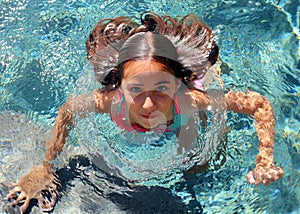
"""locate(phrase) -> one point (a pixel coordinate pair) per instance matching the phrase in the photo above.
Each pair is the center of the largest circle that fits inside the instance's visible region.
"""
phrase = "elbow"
(246, 103)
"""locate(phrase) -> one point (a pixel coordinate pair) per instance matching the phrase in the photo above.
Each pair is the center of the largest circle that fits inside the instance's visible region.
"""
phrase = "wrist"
(264, 160)
(48, 165)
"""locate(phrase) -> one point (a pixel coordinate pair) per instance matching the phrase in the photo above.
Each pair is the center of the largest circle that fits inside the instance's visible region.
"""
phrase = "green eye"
(161, 88)
(135, 89)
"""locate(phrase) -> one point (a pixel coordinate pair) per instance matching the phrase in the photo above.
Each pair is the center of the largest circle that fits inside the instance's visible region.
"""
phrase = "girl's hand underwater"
(264, 174)
(39, 183)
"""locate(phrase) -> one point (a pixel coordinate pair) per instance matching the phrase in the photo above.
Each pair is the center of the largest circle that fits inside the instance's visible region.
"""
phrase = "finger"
(21, 197)
(266, 182)
(270, 176)
(250, 178)
(257, 177)
(13, 192)
(9, 196)
(24, 207)
(12, 185)
(280, 172)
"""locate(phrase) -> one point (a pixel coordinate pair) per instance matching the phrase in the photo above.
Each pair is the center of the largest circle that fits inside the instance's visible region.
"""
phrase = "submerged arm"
(40, 178)
(252, 103)
(57, 139)
(98, 101)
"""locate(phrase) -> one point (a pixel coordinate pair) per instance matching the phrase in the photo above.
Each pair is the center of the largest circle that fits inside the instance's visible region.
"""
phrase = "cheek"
(128, 98)
(132, 104)
(164, 101)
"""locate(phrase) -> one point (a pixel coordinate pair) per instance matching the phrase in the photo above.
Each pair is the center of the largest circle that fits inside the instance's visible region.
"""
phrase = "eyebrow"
(162, 82)
(136, 84)
(158, 83)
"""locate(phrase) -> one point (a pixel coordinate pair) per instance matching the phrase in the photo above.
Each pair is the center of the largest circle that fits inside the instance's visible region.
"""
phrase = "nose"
(148, 103)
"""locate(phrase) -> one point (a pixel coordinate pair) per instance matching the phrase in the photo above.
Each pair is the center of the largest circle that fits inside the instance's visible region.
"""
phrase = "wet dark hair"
(187, 46)
(146, 45)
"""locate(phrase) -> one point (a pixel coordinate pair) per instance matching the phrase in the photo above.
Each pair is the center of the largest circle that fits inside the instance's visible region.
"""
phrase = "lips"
(148, 116)
(145, 116)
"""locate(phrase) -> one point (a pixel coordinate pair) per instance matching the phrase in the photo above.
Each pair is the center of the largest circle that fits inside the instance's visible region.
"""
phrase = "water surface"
(42, 58)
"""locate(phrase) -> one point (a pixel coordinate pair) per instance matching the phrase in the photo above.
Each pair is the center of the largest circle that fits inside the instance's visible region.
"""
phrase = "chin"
(151, 124)
(146, 125)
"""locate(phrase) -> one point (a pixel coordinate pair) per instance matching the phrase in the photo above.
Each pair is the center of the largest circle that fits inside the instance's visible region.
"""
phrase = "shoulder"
(188, 100)
(103, 100)
(192, 100)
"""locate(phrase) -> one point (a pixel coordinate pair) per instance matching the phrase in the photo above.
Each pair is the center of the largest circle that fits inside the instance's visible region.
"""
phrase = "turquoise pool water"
(42, 61)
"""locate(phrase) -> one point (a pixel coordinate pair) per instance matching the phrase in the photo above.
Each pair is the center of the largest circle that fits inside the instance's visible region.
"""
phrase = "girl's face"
(149, 89)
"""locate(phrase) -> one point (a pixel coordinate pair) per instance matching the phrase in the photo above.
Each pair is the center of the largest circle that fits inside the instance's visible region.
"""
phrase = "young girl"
(154, 80)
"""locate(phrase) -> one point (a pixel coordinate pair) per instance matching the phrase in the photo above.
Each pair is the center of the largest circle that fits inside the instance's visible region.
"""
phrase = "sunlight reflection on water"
(42, 55)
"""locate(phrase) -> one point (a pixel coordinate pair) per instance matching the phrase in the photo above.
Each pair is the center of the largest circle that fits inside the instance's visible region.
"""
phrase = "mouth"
(148, 116)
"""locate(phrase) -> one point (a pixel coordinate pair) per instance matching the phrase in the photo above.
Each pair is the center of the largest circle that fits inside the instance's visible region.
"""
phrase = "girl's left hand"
(264, 174)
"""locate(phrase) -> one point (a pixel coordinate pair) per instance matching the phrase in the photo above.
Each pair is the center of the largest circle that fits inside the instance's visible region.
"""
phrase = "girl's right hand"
(33, 185)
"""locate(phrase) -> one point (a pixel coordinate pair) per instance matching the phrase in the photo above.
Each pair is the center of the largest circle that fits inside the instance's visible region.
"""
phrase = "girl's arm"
(98, 101)
(250, 103)
(40, 177)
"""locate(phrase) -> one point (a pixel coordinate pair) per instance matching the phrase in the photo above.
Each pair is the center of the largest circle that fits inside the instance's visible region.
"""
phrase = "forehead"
(139, 68)
(150, 78)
